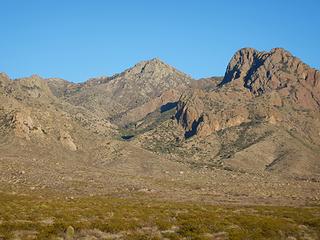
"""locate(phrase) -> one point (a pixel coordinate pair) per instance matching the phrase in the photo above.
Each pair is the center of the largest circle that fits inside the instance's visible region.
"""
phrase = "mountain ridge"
(153, 127)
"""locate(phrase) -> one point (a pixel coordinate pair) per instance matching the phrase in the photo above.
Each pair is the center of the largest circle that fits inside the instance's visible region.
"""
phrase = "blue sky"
(77, 39)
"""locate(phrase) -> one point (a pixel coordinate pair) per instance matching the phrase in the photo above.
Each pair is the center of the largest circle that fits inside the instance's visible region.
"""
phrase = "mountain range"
(252, 135)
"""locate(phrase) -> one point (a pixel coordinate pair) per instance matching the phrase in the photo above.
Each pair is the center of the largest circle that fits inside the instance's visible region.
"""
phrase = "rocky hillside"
(112, 97)
(263, 111)
(155, 130)
(30, 113)
(279, 75)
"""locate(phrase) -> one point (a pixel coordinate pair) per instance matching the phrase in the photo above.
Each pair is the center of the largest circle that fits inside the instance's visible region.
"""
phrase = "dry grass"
(147, 219)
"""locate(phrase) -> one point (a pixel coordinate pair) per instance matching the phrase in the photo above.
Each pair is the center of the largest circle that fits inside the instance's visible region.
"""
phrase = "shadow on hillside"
(168, 106)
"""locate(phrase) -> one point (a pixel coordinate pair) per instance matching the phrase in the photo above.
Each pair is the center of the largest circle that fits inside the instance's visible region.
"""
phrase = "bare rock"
(198, 118)
(23, 125)
(278, 70)
(67, 141)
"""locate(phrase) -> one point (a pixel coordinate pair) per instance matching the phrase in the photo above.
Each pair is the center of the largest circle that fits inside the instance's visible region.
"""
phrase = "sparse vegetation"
(148, 219)
(149, 122)
(152, 134)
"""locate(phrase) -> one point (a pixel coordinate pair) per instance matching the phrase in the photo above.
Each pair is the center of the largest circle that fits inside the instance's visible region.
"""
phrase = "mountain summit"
(278, 70)
(268, 102)
(154, 67)
(112, 97)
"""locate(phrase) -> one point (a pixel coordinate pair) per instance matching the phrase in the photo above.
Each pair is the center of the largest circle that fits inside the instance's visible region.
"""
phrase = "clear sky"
(79, 39)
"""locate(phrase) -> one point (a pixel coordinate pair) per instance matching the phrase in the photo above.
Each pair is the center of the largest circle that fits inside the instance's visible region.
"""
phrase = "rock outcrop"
(278, 70)
(32, 87)
(190, 111)
(67, 141)
(273, 79)
(24, 125)
(199, 115)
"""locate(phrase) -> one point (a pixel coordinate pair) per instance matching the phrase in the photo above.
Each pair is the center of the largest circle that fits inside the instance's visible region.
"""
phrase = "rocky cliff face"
(277, 75)
(278, 70)
(203, 113)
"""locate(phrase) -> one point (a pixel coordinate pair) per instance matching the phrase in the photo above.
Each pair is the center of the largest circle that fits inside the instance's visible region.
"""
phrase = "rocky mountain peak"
(153, 67)
(277, 70)
(279, 50)
(153, 71)
(139, 88)
(247, 61)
